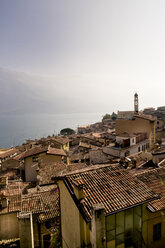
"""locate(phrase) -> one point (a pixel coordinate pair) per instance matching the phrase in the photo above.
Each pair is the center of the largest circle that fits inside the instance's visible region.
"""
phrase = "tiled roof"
(159, 151)
(98, 156)
(8, 153)
(140, 158)
(44, 202)
(145, 117)
(56, 151)
(85, 145)
(13, 194)
(39, 149)
(155, 180)
(72, 168)
(46, 171)
(115, 188)
(162, 163)
(60, 140)
(10, 173)
(79, 156)
(33, 151)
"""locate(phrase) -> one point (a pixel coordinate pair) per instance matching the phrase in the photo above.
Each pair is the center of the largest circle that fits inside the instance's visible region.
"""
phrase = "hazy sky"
(99, 52)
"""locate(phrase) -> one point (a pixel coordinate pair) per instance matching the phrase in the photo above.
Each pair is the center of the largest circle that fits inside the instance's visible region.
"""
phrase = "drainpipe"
(31, 228)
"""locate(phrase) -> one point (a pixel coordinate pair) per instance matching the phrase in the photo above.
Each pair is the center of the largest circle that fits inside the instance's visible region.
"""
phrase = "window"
(35, 159)
(124, 229)
(157, 228)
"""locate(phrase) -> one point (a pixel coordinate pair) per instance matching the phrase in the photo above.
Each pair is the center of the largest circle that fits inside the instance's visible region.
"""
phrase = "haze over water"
(15, 129)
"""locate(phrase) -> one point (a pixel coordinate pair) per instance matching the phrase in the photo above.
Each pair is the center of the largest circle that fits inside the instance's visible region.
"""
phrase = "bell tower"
(136, 103)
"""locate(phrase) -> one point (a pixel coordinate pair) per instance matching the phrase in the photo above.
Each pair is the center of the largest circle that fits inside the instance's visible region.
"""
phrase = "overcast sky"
(99, 52)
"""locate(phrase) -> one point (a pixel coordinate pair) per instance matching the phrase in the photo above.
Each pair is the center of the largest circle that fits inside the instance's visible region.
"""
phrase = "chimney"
(78, 188)
(98, 226)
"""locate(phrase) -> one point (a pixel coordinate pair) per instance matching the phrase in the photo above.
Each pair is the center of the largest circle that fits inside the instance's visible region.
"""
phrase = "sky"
(94, 54)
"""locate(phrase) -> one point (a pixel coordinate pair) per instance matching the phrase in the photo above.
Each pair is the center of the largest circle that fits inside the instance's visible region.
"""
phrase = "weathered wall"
(160, 135)
(97, 156)
(9, 226)
(25, 233)
(10, 164)
(30, 166)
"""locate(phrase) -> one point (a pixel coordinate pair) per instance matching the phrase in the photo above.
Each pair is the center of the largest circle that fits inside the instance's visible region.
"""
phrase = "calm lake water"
(15, 129)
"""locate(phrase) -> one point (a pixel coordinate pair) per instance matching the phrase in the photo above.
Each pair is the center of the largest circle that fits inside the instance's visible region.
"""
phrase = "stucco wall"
(9, 226)
(134, 149)
(150, 219)
(73, 227)
(135, 126)
(129, 150)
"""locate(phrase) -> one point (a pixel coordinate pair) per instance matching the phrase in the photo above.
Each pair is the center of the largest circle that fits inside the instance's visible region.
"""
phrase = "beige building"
(37, 155)
(139, 124)
(102, 207)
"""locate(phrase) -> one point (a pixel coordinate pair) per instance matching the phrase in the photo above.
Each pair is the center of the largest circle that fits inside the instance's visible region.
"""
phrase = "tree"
(106, 116)
(114, 116)
(67, 131)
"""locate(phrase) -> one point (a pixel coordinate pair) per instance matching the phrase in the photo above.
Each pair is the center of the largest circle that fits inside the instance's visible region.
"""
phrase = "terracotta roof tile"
(13, 194)
(39, 149)
(61, 140)
(155, 180)
(56, 151)
(33, 151)
(115, 188)
(145, 117)
(8, 153)
(46, 171)
(45, 203)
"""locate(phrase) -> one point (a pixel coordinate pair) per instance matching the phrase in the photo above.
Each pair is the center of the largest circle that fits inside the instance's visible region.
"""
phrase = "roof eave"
(132, 206)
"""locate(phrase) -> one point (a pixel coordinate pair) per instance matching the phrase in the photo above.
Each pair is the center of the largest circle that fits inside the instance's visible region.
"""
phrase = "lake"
(15, 129)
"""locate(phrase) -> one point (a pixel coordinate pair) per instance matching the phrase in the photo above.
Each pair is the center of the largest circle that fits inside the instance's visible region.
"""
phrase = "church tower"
(136, 104)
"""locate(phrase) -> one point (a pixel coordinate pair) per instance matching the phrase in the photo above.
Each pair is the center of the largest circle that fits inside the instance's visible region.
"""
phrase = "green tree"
(67, 131)
(106, 116)
(114, 116)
